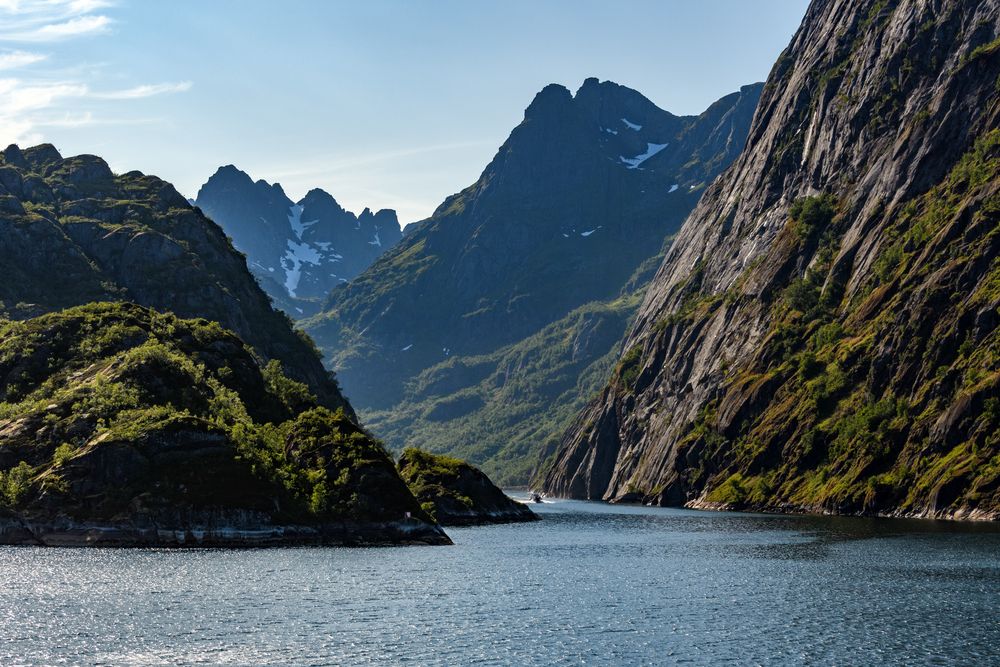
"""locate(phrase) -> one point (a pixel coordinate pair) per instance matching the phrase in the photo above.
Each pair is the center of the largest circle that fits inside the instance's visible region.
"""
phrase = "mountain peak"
(319, 195)
(551, 97)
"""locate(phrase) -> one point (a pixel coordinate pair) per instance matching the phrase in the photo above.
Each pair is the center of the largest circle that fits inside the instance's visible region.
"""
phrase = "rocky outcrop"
(822, 336)
(297, 251)
(122, 426)
(456, 493)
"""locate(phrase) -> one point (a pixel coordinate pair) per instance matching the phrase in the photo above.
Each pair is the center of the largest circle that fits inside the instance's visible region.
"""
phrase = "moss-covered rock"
(456, 493)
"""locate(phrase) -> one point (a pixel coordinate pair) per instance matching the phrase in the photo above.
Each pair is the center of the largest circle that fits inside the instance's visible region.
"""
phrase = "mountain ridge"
(585, 189)
(298, 250)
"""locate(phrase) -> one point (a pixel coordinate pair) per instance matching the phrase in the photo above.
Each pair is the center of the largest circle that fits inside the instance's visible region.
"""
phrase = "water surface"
(590, 584)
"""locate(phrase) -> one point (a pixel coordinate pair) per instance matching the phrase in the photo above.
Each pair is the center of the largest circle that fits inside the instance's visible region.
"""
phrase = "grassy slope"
(506, 409)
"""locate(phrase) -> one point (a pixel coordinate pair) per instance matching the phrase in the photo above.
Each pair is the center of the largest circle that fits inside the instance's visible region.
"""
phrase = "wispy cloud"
(53, 32)
(146, 90)
(17, 97)
(51, 20)
(53, 98)
(15, 59)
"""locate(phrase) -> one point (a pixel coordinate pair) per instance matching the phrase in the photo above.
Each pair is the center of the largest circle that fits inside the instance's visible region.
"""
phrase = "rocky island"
(456, 493)
(123, 426)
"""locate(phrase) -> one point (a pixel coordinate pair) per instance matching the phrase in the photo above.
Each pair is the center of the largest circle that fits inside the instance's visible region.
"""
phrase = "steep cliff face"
(72, 232)
(822, 334)
(298, 251)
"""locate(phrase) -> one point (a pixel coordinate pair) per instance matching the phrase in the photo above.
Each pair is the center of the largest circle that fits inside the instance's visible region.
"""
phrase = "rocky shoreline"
(958, 514)
(231, 532)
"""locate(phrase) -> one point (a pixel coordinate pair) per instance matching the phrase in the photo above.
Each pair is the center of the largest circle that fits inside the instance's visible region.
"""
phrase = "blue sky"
(384, 103)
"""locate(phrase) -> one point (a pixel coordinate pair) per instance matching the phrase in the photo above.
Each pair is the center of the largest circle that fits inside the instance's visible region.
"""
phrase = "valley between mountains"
(788, 302)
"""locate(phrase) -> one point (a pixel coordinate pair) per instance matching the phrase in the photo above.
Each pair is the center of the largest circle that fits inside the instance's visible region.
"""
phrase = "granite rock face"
(821, 336)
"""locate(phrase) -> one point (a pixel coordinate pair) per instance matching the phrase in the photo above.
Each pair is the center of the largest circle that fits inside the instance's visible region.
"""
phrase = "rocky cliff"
(71, 232)
(822, 334)
(298, 251)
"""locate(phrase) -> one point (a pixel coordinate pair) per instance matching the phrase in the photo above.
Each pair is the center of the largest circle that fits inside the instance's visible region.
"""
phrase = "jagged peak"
(387, 213)
(552, 96)
(319, 194)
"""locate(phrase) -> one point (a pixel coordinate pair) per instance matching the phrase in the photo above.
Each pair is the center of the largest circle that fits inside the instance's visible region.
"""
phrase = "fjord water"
(590, 584)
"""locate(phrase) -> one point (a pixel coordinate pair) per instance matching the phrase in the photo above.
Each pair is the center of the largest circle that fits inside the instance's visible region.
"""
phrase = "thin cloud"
(147, 90)
(15, 59)
(28, 106)
(51, 20)
(54, 32)
(17, 97)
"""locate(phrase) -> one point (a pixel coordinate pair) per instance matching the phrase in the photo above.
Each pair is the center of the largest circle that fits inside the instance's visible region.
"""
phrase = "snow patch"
(591, 231)
(651, 150)
(295, 220)
(297, 255)
(630, 125)
(377, 241)
(609, 130)
(407, 347)
(673, 188)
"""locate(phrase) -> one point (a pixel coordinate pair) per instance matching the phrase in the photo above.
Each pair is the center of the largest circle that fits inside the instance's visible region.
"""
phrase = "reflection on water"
(591, 584)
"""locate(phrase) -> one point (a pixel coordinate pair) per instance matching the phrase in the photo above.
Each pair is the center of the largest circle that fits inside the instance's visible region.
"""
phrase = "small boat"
(535, 497)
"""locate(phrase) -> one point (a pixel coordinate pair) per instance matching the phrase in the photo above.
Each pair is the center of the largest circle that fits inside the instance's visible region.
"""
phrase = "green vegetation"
(431, 478)
(456, 493)
(886, 399)
(812, 215)
(113, 382)
(76, 233)
(504, 410)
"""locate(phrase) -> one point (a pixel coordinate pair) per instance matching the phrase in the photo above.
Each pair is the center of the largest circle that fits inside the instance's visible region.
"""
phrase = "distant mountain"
(823, 336)
(298, 251)
(583, 193)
